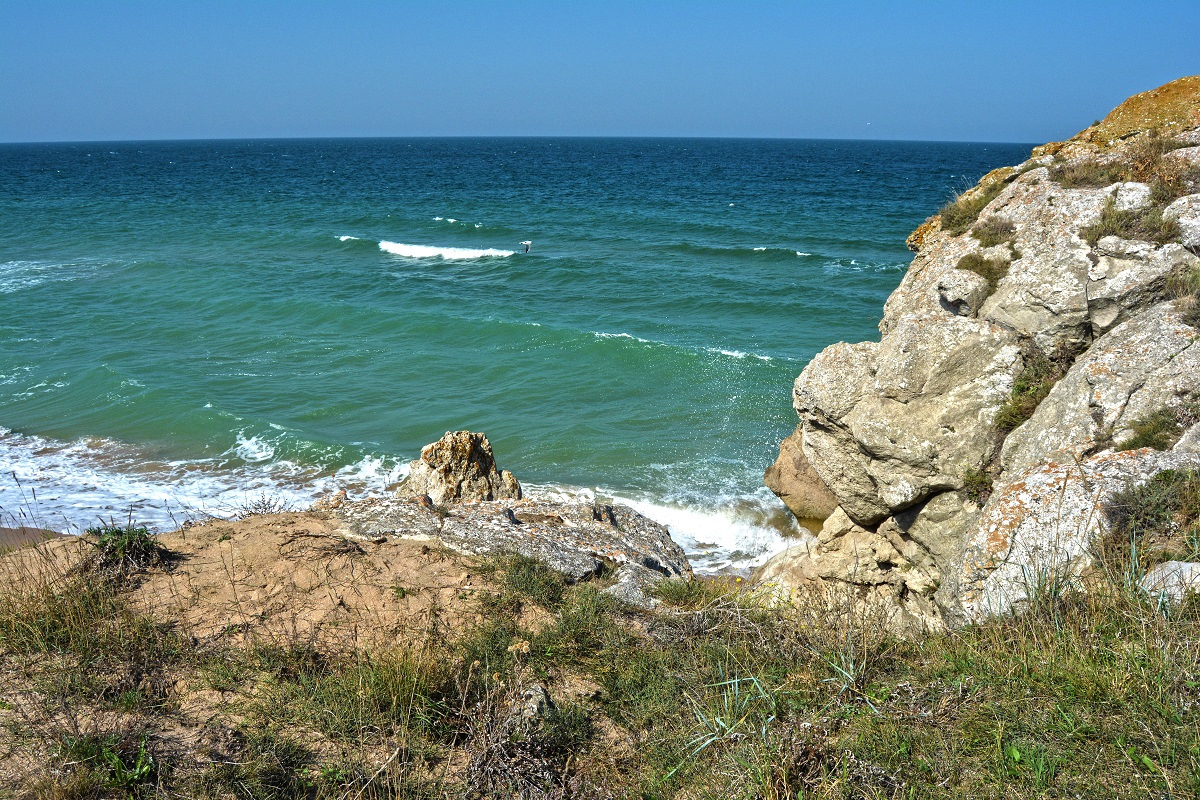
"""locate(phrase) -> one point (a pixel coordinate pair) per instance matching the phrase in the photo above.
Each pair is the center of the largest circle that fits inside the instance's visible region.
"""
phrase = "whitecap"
(70, 486)
(349, 239)
(630, 336)
(446, 253)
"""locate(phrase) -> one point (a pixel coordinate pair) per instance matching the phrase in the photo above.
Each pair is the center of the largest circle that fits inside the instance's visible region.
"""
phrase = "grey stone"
(1130, 196)
(1186, 211)
(1036, 532)
(565, 536)
(1173, 580)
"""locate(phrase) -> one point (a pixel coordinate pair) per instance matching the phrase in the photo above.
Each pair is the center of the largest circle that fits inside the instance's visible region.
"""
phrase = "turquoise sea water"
(187, 326)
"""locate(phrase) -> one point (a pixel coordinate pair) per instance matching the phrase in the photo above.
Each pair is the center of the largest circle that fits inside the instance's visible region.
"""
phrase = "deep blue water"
(185, 326)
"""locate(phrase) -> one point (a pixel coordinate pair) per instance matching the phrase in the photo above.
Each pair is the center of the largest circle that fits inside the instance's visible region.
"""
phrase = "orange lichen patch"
(916, 239)
(998, 175)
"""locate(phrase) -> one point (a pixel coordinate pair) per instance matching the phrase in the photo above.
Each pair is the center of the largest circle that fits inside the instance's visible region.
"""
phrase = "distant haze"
(1015, 71)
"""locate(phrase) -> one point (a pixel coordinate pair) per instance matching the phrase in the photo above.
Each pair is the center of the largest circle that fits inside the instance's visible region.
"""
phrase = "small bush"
(1143, 224)
(961, 213)
(1090, 173)
(525, 579)
(993, 231)
(1037, 377)
(1152, 522)
(269, 767)
(89, 763)
(977, 485)
(1162, 429)
(126, 548)
(687, 593)
(992, 269)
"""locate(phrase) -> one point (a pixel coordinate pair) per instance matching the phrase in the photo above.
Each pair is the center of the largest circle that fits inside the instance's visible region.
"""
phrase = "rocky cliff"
(1046, 322)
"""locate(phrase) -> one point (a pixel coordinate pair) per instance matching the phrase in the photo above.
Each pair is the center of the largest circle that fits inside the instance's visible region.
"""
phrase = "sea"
(197, 328)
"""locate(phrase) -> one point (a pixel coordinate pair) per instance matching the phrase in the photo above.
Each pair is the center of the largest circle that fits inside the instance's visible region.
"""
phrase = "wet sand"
(11, 538)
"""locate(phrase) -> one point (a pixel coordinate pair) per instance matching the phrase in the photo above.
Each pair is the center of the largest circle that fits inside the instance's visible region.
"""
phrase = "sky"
(1016, 71)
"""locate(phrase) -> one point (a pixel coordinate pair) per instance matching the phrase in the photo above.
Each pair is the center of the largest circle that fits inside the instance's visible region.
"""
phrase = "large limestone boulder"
(459, 467)
(1036, 533)
(903, 432)
(1143, 365)
(887, 425)
(576, 539)
(797, 484)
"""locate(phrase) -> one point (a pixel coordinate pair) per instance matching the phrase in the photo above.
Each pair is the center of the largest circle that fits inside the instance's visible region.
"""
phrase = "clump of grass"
(1039, 373)
(126, 548)
(1144, 224)
(993, 231)
(977, 485)
(688, 593)
(525, 579)
(1152, 522)
(1163, 428)
(269, 766)
(1090, 173)
(960, 213)
(991, 269)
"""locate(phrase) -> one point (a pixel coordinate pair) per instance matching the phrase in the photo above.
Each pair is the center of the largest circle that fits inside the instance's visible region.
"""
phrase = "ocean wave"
(70, 486)
(738, 354)
(18, 275)
(445, 253)
(722, 533)
(717, 351)
(757, 251)
(854, 265)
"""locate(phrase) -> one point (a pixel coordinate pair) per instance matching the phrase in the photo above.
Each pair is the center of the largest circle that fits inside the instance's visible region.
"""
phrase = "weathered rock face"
(459, 467)
(903, 432)
(797, 484)
(575, 539)
(1037, 531)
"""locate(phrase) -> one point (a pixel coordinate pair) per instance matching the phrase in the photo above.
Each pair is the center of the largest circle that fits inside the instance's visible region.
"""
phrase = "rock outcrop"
(454, 495)
(1046, 314)
(459, 467)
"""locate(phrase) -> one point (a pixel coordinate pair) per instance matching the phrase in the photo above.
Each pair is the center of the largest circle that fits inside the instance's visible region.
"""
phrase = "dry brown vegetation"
(267, 658)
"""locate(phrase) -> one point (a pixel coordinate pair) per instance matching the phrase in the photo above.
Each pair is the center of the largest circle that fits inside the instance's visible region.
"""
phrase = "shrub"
(126, 548)
(1162, 429)
(993, 231)
(992, 269)
(1037, 377)
(1151, 522)
(1144, 224)
(960, 213)
(1090, 173)
(977, 485)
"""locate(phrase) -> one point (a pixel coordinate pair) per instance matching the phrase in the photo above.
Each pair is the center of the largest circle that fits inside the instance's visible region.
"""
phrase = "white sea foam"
(759, 249)
(738, 354)
(802, 254)
(630, 336)
(446, 253)
(723, 534)
(18, 275)
(70, 486)
(349, 239)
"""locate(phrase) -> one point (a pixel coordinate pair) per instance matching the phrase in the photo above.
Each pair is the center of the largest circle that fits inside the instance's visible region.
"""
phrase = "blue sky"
(1014, 71)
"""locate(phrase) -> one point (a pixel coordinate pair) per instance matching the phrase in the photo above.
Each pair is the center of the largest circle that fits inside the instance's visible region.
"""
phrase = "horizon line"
(502, 136)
